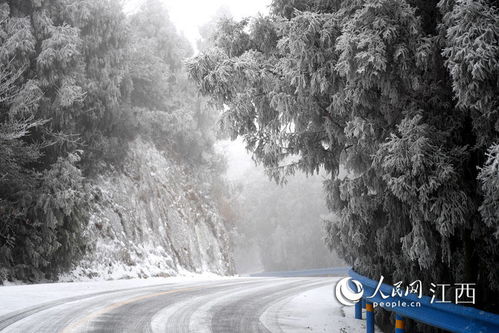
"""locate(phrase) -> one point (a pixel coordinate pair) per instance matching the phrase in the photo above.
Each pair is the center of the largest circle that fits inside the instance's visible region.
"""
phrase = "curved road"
(228, 305)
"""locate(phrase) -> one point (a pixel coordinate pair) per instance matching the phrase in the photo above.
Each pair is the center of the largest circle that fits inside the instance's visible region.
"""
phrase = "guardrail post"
(399, 324)
(369, 317)
(358, 309)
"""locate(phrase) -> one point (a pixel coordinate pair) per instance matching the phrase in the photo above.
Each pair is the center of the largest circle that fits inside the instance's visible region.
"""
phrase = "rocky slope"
(153, 218)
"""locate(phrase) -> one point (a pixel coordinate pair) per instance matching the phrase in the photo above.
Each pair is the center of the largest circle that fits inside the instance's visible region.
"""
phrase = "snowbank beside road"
(323, 314)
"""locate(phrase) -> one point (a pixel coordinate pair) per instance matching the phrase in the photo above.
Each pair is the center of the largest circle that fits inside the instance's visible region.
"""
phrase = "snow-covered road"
(299, 304)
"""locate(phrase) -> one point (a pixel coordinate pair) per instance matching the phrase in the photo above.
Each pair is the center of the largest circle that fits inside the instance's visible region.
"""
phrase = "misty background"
(277, 227)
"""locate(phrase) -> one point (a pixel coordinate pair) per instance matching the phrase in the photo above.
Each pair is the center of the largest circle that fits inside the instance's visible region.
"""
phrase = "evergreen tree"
(61, 72)
(403, 94)
(78, 80)
(167, 106)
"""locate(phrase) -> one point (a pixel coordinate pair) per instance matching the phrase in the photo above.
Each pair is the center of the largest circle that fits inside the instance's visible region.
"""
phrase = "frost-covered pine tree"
(403, 95)
(62, 65)
(78, 81)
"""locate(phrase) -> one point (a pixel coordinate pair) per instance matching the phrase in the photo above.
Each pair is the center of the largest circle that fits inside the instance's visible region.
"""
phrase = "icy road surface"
(252, 304)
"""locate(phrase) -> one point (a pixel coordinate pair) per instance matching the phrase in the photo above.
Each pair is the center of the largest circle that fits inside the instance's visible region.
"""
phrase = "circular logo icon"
(345, 295)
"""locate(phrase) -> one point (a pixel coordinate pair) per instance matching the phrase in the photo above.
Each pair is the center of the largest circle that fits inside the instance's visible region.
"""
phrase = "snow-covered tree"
(403, 94)
(78, 81)
(62, 64)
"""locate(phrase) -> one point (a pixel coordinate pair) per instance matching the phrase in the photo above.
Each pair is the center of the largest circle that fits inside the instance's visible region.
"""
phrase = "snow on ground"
(324, 314)
(17, 297)
(315, 310)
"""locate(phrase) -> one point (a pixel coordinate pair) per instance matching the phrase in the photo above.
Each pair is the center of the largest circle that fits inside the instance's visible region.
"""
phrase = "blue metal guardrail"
(447, 316)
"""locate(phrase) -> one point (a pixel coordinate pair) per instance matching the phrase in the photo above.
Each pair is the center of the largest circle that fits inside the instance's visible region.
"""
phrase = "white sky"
(189, 15)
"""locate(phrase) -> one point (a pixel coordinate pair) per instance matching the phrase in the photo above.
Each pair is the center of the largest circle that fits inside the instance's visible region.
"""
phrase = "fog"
(276, 227)
(188, 21)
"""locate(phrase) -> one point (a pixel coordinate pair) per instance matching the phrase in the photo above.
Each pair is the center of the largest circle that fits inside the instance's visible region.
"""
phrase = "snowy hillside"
(152, 219)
